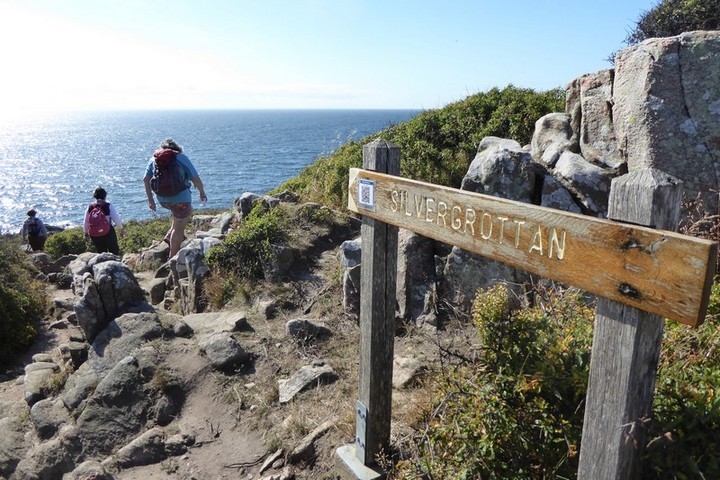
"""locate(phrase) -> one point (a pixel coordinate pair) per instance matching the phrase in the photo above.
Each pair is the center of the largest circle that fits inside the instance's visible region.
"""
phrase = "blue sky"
(417, 54)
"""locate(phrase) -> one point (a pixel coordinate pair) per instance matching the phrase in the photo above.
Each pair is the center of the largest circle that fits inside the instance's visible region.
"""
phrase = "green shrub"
(67, 242)
(221, 288)
(140, 234)
(244, 249)
(436, 146)
(22, 300)
(516, 411)
(684, 437)
(673, 17)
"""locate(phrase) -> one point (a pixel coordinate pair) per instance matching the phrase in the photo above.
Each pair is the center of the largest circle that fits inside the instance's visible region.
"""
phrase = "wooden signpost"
(656, 271)
(641, 273)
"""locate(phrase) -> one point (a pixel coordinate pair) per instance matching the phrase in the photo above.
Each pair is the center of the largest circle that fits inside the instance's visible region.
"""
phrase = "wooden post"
(377, 316)
(377, 325)
(626, 344)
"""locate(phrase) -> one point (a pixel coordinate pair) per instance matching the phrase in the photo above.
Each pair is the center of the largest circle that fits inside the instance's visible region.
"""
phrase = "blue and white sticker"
(366, 194)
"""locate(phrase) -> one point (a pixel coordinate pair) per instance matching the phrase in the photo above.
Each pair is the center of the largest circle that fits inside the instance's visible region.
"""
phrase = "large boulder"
(50, 459)
(109, 289)
(189, 271)
(666, 109)
(597, 140)
(552, 136)
(13, 444)
(503, 169)
(589, 183)
(116, 411)
(124, 336)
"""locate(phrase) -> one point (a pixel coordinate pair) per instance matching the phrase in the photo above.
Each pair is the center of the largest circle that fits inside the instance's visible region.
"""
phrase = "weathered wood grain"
(377, 315)
(661, 272)
(626, 346)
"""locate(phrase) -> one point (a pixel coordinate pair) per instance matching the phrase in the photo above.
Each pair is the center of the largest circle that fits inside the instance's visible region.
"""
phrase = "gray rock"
(182, 329)
(304, 378)
(598, 144)
(166, 409)
(116, 411)
(177, 444)
(154, 257)
(39, 381)
(553, 135)
(270, 460)
(78, 352)
(465, 273)
(591, 183)
(223, 351)
(202, 222)
(415, 273)
(13, 445)
(157, 290)
(666, 109)
(89, 308)
(123, 337)
(277, 263)
(188, 270)
(88, 470)
(555, 195)
(147, 449)
(47, 416)
(215, 322)
(406, 370)
(110, 291)
(287, 473)
(79, 386)
(118, 287)
(351, 290)
(489, 143)
(305, 449)
(350, 253)
(164, 270)
(304, 330)
(42, 357)
(244, 203)
(502, 169)
(49, 460)
(287, 196)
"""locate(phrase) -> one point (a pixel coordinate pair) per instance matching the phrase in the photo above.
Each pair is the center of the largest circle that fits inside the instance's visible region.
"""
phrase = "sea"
(54, 163)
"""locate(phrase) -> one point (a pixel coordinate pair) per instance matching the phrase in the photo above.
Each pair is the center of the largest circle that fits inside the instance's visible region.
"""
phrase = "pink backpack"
(98, 221)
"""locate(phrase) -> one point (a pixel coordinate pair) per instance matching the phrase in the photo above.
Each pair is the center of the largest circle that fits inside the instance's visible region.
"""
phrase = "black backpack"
(167, 179)
(33, 228)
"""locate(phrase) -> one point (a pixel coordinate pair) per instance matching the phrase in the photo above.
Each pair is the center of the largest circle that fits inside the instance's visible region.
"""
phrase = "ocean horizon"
(54, 163)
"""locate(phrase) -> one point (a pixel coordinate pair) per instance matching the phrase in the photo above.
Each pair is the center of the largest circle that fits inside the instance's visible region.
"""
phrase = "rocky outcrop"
(108, 289)
(666, 109)
(502, 168)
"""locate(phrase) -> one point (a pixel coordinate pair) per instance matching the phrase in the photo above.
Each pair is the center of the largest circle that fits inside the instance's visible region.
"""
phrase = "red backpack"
(99, 221)
(167, 179)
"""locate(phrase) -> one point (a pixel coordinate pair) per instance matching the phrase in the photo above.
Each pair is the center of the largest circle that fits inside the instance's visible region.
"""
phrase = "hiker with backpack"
(168, 175)
(101, 218)
(34, 231)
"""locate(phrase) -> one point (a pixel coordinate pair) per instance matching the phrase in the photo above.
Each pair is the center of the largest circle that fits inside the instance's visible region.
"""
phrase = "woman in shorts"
(179, 204)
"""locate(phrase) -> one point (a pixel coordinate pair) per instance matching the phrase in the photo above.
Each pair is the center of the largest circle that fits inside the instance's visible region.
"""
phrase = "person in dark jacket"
(34, 231)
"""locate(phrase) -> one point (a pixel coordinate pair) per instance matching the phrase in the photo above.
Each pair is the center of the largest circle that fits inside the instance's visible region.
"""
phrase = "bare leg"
(177, 234)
